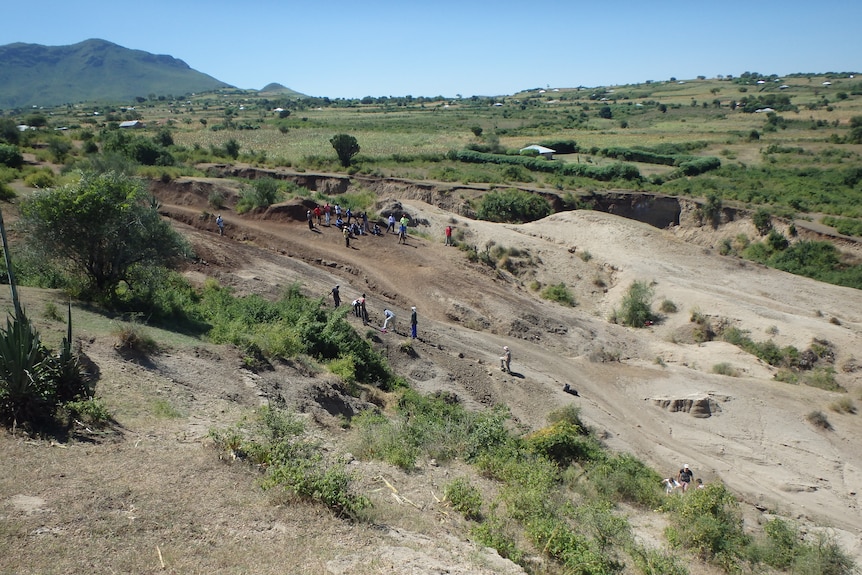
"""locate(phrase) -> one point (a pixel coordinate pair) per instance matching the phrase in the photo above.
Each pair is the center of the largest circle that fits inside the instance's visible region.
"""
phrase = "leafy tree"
(477, 131)
(762, 221)
(9, 131)
(605, 112)
(345, 146)
(636, 309)
(232, 148)
(10, 156)
(103, 227)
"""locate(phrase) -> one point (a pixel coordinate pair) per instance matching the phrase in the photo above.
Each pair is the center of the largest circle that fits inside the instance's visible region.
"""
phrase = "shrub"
(560, 294)
(514, 206)
(725, 368)
(132, 336)
(636, 307)
(465, 498)
(818, 419)
(627, 478)
(261, 194)
(707, 521)
(762, 221)
(10, 156)
(564, 443)
(90, 411)
(843, 405)
(41, 178)
(667, 306)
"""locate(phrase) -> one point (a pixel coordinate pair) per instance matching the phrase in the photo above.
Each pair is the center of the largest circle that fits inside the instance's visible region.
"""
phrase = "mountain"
(278, 89)
(92, 70)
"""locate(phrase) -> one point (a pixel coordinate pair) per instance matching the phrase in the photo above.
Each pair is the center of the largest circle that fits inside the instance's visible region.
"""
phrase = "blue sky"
(384, 48)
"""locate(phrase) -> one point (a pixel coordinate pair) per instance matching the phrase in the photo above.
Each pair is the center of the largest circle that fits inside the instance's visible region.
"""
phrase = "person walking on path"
(413, 322)
(389, 316)
(346, 231)
(685, 476)
(327, 213)
(506, 360)
(390, 224)
(363, 310)
(220, 224)
(336, 296)
(309, 216)
(448, 233)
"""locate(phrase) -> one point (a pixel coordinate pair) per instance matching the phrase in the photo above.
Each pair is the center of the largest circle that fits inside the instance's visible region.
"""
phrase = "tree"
(346, 147)
(232, 148)
(105, 228)
(605, 112)
(856, 130)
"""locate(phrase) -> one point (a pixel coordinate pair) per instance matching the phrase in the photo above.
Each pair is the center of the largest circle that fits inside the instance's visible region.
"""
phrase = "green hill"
(92, 70)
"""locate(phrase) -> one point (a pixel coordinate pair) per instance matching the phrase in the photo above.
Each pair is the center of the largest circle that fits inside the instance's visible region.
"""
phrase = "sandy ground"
(755, 436)
(650, 391)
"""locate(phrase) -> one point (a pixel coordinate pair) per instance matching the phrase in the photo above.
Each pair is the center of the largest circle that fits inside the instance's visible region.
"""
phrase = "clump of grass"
(92, 411)
(162, 408)
(667, 306)
(818, 419)
(843, 405)
(822, 378)
(132, 337)
(725, 368)
(52, 312)
(585, 256)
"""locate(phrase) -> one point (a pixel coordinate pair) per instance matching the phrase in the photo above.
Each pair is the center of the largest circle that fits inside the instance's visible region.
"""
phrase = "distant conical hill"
(92, 70)
(276, 88)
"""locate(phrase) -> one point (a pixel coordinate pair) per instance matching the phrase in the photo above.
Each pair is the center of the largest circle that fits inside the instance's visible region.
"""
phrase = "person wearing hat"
(506, 359)
(413, 322)
(685, 477)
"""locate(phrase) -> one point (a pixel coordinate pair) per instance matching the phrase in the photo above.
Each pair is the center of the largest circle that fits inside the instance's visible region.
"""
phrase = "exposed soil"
(148, 497)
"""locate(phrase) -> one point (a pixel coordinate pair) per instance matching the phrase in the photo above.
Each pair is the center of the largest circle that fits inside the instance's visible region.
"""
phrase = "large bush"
(10, 156)
(514, 206)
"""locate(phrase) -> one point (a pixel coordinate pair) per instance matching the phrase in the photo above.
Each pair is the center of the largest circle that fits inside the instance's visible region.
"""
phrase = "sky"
(340, 49)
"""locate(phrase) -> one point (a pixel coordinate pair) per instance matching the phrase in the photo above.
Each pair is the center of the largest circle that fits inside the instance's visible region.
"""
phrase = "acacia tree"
(345, 146)
(105, 227)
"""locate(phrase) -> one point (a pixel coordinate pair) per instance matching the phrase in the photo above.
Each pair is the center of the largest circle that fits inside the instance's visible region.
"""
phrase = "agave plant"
(27, 373)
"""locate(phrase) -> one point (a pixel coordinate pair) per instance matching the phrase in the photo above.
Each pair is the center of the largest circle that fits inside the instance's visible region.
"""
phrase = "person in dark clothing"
(685, 476)
(336, 296)
(309, 216)
(413, 322)
(363, 310)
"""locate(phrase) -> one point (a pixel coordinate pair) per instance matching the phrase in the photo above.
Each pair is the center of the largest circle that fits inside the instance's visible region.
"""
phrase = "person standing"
(685, 476)
(327, 213)
(336, 296)
(448, 233)
(506, 360)
(220, 224)
(365, 222)
(363, 310)
(309, 217)
(317, 214)
(346, 232)
(389, 316)
(337, 212)
(390, 224)
(413, 322)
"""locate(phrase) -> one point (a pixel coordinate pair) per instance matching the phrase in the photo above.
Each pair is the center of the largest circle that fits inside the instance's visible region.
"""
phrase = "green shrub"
(656, 562)
(707, 521)
(559, 293)
(623, 477)
(514, 206)
(262, 193)
(41, 178)
(667, 306)
(274, 439)
(564, 443)
(90, 411)
(636, 307)
(465, 498)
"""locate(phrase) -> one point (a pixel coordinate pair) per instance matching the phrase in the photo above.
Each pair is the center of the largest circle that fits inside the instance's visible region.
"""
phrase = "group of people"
(360, 310)
(682, 481)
